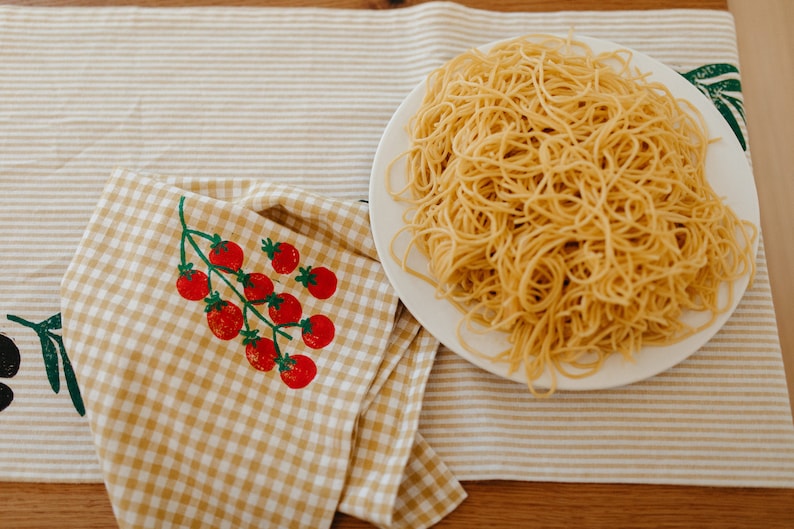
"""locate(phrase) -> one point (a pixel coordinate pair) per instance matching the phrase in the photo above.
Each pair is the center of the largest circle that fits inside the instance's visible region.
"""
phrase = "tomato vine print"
(253, 306)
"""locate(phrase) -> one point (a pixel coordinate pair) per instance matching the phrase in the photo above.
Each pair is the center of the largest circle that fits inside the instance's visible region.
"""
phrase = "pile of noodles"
(561, 197)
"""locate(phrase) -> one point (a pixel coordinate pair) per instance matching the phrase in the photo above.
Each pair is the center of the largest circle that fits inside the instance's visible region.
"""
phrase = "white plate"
(727, 170)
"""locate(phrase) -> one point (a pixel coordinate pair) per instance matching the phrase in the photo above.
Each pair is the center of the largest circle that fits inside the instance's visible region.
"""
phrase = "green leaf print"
(720, 83)
(51, 348)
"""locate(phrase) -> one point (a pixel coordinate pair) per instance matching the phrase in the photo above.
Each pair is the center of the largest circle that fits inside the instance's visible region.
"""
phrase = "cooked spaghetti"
(561, 197)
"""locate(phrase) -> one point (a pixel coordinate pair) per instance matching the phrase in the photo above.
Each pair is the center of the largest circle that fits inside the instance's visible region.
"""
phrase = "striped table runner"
(301, 96)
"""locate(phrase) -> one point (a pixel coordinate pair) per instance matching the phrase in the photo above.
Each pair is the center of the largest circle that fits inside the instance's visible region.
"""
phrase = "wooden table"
(766, 53)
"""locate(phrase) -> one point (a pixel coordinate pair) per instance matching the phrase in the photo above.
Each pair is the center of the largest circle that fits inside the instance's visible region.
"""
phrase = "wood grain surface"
(766, 55)
(766, 47)
(502, 504)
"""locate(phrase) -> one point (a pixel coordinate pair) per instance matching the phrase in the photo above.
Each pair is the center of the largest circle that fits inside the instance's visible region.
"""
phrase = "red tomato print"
(317, 331)
(226, 254)
(261, 353)
(320, 282)
(193, 285)
(284, 308)
(283, 256)
(300, 371)
(235, 300)
(256, 287)
(225, 319)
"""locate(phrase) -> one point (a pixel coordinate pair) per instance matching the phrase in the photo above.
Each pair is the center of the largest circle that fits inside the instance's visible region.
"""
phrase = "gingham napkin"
(248, 364)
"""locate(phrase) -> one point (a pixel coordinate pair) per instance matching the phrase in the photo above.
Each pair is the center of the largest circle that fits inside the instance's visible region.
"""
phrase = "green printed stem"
(275, 328)
(283, 360)
(69, 376)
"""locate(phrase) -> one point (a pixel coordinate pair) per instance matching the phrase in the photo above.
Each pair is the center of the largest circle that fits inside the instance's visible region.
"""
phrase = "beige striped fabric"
(219, 98)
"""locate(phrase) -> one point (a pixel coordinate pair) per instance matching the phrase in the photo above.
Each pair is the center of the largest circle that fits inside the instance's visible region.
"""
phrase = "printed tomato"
(284, 308)
(261, 353)
(192, 285)
(256, 287)
(225, 319)
(226, 255)
(298, 371)
(320, 281)
(317, 331)
(284, 257)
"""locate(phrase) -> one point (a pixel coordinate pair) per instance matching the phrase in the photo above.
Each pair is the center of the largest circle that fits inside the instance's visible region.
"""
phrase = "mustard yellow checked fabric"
(247, 364)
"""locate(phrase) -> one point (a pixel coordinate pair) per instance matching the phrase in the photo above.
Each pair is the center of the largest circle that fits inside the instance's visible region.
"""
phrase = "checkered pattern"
(385, 440)
(186, 430)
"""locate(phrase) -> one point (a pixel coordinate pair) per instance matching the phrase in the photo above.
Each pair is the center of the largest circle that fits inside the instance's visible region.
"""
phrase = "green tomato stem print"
(247, 304)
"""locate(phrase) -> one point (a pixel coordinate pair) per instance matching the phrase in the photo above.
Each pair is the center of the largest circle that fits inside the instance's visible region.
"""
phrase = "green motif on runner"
(720, 83)
(52, 349)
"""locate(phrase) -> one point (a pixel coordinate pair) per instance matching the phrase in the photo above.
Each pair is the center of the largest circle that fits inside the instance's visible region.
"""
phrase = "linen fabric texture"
(186, 429)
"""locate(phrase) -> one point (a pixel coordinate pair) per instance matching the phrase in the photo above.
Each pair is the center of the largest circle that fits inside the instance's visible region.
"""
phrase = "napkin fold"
(247, 363)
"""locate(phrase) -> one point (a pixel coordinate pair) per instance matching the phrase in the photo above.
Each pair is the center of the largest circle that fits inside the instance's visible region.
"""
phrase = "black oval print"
(6, 396)
(9, 357)
(9, 365)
